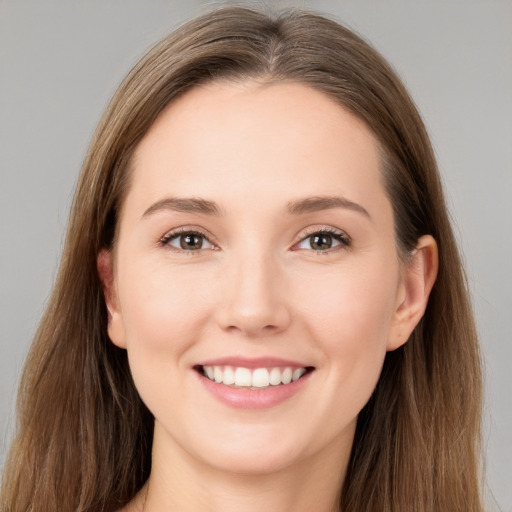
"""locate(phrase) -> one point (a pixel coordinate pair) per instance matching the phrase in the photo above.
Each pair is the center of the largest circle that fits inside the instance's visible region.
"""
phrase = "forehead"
(248, 142)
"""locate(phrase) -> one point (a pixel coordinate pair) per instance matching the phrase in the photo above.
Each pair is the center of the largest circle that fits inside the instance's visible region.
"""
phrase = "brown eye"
(323, 241)
(320, 242)
(191, 242)
(187, 241)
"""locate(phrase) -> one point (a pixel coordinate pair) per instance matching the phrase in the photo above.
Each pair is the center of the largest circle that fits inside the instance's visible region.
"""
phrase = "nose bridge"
(254, 301)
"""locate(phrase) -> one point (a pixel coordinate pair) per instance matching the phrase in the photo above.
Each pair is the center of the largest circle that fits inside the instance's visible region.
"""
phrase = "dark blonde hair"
(84, 437)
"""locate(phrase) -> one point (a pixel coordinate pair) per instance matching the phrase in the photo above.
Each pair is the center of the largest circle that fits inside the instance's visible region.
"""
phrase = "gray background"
(61, 61)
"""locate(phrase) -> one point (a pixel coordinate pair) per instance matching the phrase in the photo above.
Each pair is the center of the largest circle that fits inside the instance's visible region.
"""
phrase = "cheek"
(356, 302)
(163, 318)
(160, 307)
(350, 321)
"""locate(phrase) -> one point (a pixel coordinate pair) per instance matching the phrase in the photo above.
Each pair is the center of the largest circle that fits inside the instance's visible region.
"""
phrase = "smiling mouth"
(252, 378)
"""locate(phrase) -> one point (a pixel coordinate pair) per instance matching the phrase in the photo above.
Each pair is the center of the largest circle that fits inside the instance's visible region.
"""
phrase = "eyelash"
(166, 239)
(341, 237)
(344, 240)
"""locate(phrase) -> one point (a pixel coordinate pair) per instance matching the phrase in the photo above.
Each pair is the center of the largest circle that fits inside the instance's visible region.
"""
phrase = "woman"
(260, 303)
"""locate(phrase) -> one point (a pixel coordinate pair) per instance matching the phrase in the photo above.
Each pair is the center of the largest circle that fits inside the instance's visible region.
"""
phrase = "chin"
(264, 462)
(255, 451)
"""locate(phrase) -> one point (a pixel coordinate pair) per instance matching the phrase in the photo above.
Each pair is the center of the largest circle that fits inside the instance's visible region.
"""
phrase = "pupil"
(191, 242)
(321, 242)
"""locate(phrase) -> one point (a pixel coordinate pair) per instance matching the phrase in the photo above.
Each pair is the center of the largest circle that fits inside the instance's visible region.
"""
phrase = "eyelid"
(340, 235)
(185, 230)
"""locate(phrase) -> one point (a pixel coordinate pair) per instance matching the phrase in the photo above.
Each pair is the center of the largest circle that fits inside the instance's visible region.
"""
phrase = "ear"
(418, 278)
(115, 320)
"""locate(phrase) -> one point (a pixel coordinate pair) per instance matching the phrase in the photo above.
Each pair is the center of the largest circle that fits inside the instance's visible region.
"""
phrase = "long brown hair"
(84, 437)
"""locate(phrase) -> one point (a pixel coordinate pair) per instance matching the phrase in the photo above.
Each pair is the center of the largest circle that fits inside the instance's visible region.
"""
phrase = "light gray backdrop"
(61, 61)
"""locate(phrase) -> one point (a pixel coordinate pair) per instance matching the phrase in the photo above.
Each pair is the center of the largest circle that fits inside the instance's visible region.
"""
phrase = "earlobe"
(419, 276)
(106, 275)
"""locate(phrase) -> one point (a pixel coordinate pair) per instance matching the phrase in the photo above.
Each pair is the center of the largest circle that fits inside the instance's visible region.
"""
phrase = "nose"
(255, 301)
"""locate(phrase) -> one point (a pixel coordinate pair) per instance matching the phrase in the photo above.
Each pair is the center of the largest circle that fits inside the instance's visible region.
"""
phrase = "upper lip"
(252, 363)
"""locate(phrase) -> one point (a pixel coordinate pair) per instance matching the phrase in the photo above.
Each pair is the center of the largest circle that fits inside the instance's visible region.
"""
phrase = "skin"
(256, 287)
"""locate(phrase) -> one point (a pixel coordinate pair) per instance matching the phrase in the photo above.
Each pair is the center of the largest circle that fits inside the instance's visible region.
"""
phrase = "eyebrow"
(187, 205)
(297, 207)
(319, 203)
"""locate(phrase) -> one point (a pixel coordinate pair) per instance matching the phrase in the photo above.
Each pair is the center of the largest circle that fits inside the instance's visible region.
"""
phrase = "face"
(256, 284)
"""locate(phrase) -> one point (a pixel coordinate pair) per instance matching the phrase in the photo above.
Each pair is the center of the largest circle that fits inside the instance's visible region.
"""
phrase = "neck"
(181, 483)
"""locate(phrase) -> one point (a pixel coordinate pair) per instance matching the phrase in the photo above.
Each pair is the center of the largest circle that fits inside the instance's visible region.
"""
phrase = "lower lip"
(262, 398)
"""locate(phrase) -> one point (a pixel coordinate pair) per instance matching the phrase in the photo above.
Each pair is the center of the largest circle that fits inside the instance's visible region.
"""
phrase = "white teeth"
(275, 376)
(298, 373)
(229, 375)
(257, 378)
(217, 374)
(286, 376)
(243, 377)
(260, 378)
